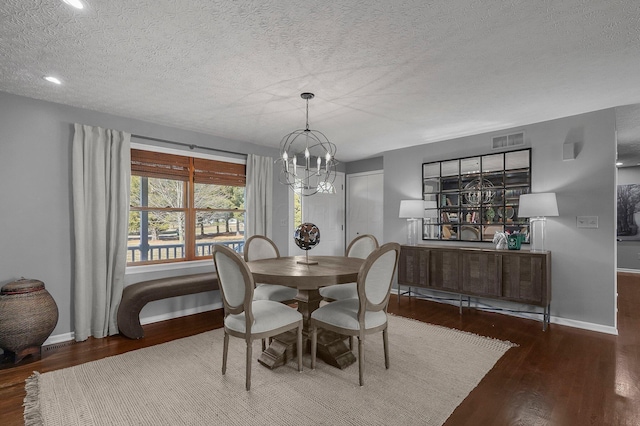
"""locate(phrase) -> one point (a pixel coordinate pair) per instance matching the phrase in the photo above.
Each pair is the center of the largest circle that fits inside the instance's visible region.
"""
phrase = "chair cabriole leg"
(385, 342)
(314, 345)
(361, 359)
(249, 355)
(225, 350)
(300, 347)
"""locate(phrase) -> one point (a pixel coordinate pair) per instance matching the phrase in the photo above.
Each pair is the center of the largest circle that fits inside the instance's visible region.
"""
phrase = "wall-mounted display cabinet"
(470, 199)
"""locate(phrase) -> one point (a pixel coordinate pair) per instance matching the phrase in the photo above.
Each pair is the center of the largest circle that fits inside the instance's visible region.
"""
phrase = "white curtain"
(101, 168)
(259, 196)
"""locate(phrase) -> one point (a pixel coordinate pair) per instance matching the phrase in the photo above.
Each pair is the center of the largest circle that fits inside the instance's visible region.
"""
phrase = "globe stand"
(306, 260)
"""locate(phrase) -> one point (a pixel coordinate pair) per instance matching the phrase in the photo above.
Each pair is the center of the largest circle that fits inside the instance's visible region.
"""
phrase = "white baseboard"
(553, 319)
(65, 337)
(628, 271)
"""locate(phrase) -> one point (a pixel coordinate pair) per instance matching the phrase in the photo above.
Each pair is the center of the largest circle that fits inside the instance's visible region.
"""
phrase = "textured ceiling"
(386, 74)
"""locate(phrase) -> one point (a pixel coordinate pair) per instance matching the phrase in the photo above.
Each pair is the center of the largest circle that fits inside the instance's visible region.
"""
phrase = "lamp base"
(537, 233)
(412, 232)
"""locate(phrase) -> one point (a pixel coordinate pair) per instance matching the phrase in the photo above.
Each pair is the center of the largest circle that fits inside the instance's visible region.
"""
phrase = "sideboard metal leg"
(546, 317)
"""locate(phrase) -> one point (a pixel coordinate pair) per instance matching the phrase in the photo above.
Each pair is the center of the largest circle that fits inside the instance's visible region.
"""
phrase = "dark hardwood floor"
(563, 376)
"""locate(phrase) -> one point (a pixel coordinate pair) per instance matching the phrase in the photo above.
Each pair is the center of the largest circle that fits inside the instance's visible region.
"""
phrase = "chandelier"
(308, 160)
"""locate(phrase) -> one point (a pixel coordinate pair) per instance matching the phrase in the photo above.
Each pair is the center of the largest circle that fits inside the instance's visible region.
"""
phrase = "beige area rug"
(180, 383)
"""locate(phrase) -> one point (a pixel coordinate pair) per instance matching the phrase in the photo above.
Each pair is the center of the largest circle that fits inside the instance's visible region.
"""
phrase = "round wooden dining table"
(292, 271)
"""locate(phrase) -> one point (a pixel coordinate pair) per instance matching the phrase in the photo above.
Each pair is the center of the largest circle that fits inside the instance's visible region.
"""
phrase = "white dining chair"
(361, 247)
(259, 247)
(245, 317)
(366, 314)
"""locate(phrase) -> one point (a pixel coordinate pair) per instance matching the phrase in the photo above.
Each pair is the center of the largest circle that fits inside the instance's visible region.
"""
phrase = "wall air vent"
(508, 141)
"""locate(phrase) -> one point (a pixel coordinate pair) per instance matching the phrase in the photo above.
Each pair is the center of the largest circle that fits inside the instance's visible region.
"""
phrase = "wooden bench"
(136, 296)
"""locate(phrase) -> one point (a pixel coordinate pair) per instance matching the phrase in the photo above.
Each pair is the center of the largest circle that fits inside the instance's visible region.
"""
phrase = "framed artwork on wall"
(628, 219)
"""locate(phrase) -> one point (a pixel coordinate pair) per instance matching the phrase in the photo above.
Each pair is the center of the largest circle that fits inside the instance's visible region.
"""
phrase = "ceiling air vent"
(508, 141)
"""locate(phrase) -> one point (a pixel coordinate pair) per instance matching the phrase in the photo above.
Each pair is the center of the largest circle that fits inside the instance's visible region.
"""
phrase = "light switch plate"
(587, 222)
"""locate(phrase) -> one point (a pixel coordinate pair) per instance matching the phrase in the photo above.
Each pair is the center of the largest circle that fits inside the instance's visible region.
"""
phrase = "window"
(181, 206)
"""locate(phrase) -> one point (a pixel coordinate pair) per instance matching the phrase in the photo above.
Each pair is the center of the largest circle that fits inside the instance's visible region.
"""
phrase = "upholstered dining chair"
(368, 313)
(245, 317)
(259, 247)
(361, 247)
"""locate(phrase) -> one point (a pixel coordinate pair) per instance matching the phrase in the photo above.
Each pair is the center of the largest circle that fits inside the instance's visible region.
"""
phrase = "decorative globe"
(307, 236)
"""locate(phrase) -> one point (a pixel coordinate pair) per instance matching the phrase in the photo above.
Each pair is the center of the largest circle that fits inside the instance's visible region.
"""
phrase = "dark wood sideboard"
(518, 276)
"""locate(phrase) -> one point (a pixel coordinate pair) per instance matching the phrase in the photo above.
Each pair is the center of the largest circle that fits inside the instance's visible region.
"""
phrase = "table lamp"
(537, 207)
(413, 211)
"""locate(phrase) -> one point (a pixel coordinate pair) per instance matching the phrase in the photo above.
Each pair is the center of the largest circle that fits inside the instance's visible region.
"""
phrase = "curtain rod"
(190, 146)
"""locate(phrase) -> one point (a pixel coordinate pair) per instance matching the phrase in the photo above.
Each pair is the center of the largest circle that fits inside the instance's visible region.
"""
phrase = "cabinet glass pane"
(431, 170)
(492, 163)
(494, 179)
(489, 231)
(450, 168)
(431, 186)
(470, 165)
(512, 195)
(449, 200)
(469, 233)
(450, 184)
(431, 231)
(449, 232)
(470, 215)
(517, 160)
(517, 179)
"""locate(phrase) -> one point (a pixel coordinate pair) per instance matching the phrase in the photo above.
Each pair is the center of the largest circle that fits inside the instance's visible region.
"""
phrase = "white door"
(326, 211)
(365, 196)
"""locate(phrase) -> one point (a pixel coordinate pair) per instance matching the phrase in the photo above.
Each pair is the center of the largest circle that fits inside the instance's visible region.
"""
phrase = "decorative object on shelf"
(537, 207)
(490, 214)
(28, 315)
(413, 211)
(500, 240)
(308, 159)
(514, 241)
(307, 236)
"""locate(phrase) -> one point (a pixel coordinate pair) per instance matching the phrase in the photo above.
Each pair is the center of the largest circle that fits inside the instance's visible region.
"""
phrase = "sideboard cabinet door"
(413, 267)
(444, 269)
(481, 273)
(525, 278)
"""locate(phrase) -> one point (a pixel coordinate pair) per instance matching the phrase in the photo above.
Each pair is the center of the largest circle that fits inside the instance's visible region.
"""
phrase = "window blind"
(219, 172)
(159, 165)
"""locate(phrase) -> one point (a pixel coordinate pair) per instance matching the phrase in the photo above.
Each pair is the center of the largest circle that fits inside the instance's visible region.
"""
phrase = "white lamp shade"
(411, 209)
(538, 205)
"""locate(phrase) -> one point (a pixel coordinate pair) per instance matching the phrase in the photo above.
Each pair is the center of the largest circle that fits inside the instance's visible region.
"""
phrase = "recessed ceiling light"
(75, 3)
(51, 79)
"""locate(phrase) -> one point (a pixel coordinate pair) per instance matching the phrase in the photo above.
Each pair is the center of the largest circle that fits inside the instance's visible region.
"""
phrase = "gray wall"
(36, 224)
(366, 165)
(36, 207)
(628, 250)
(583, 271)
